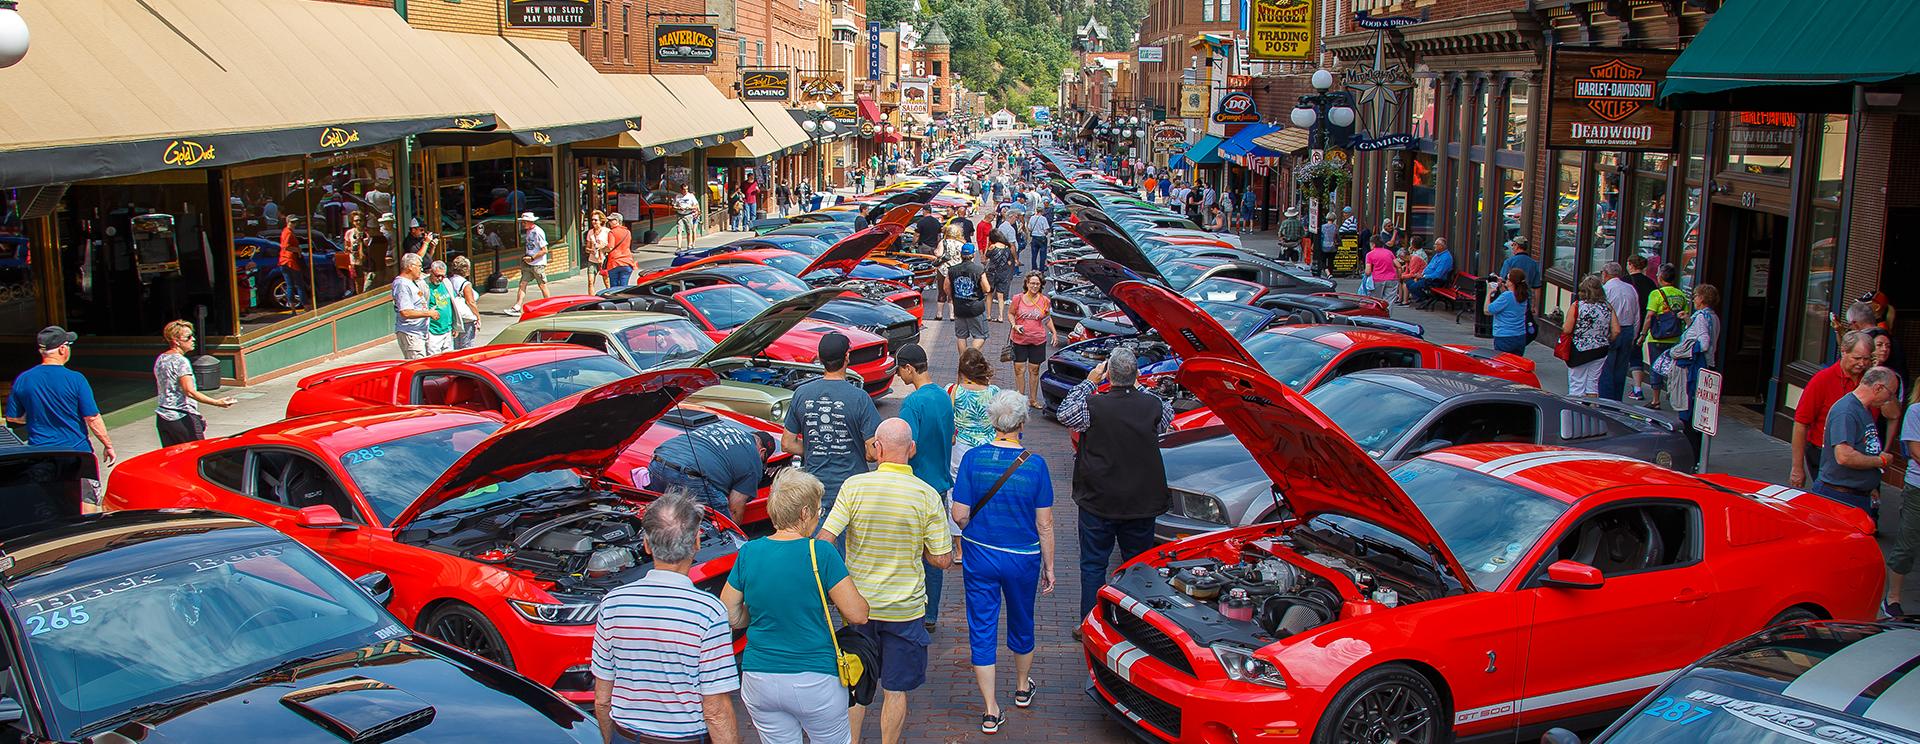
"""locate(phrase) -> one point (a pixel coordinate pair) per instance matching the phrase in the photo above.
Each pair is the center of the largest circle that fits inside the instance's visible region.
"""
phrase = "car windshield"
(792, 263)
(1292, 360)
(1240, 321)
(805, 245)
(1181, 274)
(773, 284)
(1457, 502)
(1698, 709)
(726, 306)
(396, 473)
(1221, 289)
(1375, 415)
(665, 343)
(541, 384)
(202, 622)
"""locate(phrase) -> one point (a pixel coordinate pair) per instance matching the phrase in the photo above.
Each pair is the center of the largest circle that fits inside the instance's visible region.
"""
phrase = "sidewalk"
(267, 402)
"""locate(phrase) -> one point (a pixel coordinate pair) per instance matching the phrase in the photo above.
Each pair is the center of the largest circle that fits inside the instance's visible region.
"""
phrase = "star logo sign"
(1379, 92)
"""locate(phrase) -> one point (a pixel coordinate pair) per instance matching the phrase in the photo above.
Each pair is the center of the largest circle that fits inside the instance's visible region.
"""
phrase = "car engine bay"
(764, 372)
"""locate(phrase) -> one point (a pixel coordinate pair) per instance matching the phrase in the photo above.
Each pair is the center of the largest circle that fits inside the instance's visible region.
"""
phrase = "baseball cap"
(966, 250)
(412, 223)
(833, 348)
(54, 337)
(911, 355)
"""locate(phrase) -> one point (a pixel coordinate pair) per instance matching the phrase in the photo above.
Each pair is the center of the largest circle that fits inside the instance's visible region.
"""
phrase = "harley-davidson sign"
(766, 85)
(1603, 99)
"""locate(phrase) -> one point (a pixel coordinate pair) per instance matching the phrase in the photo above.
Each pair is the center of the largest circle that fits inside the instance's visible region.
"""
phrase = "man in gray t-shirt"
(1854, 455)
(410, 313)
(830, 422)
(718, 463)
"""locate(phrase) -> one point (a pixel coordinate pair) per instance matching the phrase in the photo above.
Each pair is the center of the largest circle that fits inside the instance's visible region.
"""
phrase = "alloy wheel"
(458, 629)
(1391, 713)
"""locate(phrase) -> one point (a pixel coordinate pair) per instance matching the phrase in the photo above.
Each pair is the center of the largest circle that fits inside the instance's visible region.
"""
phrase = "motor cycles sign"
(1280, 29)
(1603, 99)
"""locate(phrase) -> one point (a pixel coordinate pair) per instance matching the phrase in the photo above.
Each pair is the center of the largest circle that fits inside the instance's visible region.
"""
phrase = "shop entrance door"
(1749, 246)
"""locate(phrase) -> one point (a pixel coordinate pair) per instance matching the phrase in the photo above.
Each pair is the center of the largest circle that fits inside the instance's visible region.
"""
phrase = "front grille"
(1156, 713)
(864, 354)
(1066, 307)
(1147, 638)
(1072, 374)
(901, 334)
(712, 585)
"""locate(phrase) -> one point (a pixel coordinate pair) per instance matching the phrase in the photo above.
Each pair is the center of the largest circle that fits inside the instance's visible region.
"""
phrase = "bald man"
(893, 523)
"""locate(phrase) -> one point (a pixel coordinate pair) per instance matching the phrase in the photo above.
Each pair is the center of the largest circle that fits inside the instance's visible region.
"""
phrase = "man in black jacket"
(1119, 482)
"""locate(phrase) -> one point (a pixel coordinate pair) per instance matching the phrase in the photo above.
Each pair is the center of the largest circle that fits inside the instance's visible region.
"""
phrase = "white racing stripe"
(1838, 679)
(1553, 699)
(1501, 462)
(1778, 493)
(1559, 458)
(1121, 658)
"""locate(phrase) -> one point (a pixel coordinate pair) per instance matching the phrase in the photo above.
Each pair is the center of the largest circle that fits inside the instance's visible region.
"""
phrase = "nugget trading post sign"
(1280, 29)
(766, 85)
(681, 43)
(550, 13)
(1603, 99)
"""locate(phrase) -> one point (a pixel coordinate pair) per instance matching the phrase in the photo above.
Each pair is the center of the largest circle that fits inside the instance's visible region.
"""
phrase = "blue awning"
(1242, 144)
(1204, 152)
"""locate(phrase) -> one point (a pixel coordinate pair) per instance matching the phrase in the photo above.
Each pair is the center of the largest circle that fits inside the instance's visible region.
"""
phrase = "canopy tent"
(1754, 54)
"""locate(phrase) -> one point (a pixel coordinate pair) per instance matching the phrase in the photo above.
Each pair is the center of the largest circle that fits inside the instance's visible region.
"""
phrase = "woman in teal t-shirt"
(789, 679)
(971, 427)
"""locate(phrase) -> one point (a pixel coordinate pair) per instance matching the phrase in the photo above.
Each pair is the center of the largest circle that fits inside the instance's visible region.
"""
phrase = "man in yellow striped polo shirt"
(893, 523)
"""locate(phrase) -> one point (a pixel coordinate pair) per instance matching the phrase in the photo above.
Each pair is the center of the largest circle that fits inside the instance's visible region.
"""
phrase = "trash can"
(1482, 322)
(206, 373)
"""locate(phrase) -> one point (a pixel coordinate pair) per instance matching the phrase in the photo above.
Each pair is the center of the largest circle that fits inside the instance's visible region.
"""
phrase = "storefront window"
(1815, 322)
(1420, 182)
(1646, 232)
(1476, 175)
(355, 192)
(1513, 203)
(1424, 118)
(270, 198)
(1515, 135)
(1761, 142)
(1566, 221)
(1606, 216)
(1690, 241)
(19, 286)
(1480, 113)
(451, 216)
(1696, 122)
(1833, 157)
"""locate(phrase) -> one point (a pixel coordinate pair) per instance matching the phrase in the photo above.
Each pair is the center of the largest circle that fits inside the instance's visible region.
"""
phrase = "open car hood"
(1315, 465)
(1115, 246)
(1105, 275)
(918, 196)
(585, 431)
(759, 332)
(1190, 331)
(846, 254)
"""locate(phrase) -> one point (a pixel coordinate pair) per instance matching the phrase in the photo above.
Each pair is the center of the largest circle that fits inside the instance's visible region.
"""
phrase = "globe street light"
(13, 34)
(818, 127)
(1320, 112)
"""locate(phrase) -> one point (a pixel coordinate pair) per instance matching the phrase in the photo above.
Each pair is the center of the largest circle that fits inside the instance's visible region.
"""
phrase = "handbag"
(1366, 283)
(1563, 349)
(855, 668)
(1006, 349)
(461, 311)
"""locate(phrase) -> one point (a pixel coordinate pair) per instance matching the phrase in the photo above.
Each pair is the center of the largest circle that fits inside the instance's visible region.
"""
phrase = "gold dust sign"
(334, 138)
(1281, 29)
(186, 153)
(468, 122)
(766, 85)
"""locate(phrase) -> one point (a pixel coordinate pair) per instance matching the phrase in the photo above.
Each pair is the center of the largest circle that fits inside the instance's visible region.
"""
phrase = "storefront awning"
(1243, 143)
(1285, 141)
(1772, 55)
(113, 88)
(668, 127)
(544, 92)
(868, 109)
(759, 145)
(775, 123)
(1204, 152)
(713, 116)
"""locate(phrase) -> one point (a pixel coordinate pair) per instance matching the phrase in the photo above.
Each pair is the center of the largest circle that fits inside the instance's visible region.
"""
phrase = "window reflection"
(271, 241)
(1647, 230)
(1513, 202)
(1833, 157)
(1814, 321)
(1606, 215)
(1566, 231)
(1420, 184)
(1690, 241)
(1424, 119)
(1761, 142)
(1515, 137)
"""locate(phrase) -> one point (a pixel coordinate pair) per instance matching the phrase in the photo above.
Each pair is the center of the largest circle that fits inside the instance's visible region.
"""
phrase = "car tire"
(1791, 615)
(1389, 704)
(466, 627)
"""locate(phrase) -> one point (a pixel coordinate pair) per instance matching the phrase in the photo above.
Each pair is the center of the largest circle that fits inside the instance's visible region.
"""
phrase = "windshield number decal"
(60, 619)
(365, 454)
(73, 598)
(1676, 711)
(208, 564)
(515, 378)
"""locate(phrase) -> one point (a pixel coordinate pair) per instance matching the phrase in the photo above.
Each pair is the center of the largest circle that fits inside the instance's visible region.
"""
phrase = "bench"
(1458, 295)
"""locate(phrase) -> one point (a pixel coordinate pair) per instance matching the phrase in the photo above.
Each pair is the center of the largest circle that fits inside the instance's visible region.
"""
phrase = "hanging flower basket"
(1322, 179)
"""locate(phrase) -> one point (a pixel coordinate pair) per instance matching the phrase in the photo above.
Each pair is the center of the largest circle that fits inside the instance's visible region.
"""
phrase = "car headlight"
(1242, 666)
(1203, 508)
(564, 613)
(780, 409)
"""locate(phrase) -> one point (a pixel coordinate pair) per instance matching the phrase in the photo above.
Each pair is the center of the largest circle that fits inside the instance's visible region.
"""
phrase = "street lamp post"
(1316, 112)
(13, 34)
(819, 126)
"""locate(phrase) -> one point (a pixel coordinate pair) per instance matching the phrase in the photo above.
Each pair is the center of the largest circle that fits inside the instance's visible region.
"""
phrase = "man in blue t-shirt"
(830, 422)
(56, 404)
(719, 464)
(929, 412)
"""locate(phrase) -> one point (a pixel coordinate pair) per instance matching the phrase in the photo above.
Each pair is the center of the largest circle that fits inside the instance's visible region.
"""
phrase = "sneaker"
(1892, 610)
(515, 310)
(1638, 394)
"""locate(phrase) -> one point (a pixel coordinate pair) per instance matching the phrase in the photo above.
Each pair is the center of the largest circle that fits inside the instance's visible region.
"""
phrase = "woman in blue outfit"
(1509, 303)
(1003, 502)
(1695, 352)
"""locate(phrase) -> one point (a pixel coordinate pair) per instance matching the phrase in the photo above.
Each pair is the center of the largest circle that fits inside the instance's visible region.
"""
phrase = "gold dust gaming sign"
(1603, 99)
(684, 44)
(1280, 29)
(766, 85)
(550, 13)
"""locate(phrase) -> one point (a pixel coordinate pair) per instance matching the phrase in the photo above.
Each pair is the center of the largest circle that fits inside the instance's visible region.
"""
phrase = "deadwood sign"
(1603, 99)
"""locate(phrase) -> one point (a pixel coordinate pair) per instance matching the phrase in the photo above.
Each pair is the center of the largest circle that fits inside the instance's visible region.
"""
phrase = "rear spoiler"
(1793, 499)
(347, 371)
(1499, 357)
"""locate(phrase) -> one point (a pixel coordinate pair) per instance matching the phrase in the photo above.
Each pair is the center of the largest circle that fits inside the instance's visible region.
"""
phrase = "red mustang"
(499, 538)
(1480, 591)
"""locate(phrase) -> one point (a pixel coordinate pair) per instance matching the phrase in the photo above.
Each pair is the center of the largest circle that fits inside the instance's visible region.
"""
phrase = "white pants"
(439, 342)
(412, 345)
(1585, 379)
(785, 706)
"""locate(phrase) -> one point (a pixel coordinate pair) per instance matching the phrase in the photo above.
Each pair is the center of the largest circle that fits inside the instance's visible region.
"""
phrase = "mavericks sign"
(1603, 99)
(1280, 29)
(679, 43)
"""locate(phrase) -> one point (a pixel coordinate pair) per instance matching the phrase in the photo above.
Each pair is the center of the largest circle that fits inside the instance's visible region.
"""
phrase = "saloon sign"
(1280, 29)
(1603, 99)
(679, 43)
(1236, 107)
(766, 85)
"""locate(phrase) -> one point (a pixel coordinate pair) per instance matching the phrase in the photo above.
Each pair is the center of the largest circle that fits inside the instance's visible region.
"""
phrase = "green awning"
(1791, 55)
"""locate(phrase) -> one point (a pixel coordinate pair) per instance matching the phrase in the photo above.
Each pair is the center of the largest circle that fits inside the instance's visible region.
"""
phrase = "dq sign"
(1236, 107)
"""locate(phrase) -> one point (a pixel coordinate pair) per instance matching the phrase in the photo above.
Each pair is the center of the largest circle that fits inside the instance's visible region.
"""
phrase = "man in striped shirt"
(662, 652)
(893, 522)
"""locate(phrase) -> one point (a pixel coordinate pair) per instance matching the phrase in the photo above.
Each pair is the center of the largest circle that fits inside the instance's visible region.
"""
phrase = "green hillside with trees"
(1013, 50)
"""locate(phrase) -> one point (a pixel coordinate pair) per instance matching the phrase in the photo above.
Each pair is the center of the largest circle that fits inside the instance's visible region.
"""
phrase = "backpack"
(1667, 324)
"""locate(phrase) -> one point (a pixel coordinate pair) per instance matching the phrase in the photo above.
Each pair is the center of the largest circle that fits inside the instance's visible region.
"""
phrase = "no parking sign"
(1706, 404)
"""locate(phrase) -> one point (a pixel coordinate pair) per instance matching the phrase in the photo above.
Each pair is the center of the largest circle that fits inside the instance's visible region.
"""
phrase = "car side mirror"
(10, 710)
(1559, 736)
(1573, 575)
(322, 517)
(377, 585)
